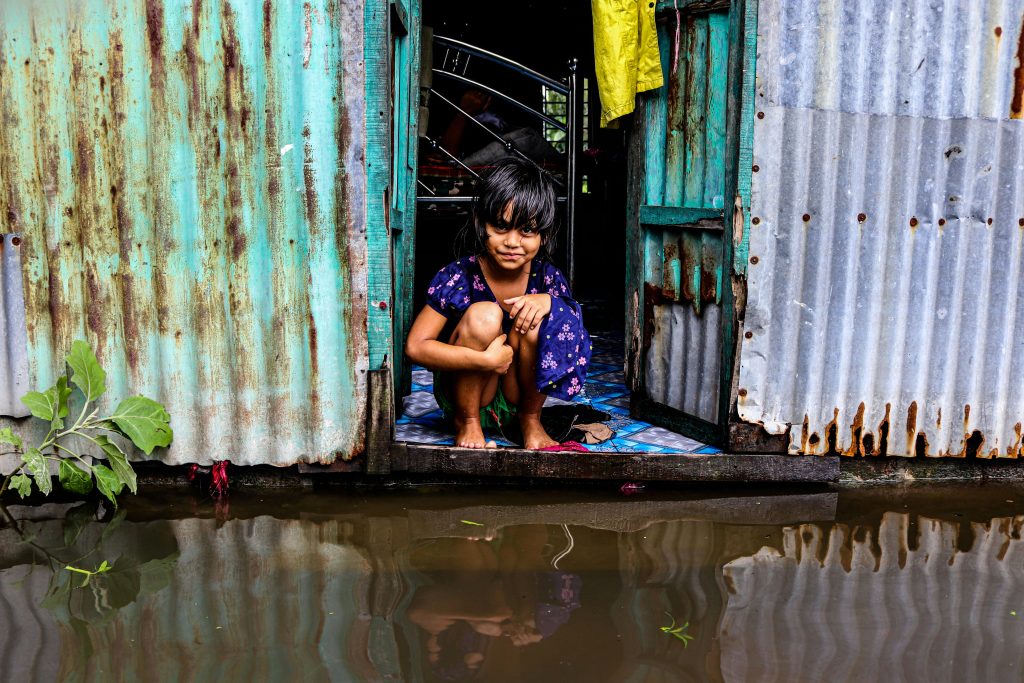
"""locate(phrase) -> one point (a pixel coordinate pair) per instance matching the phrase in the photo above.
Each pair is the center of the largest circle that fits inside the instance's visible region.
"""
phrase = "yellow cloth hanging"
(626, 54)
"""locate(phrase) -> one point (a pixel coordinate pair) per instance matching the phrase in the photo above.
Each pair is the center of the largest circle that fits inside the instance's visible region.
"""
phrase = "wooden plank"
(380, 421)
(675, 133)
(376, 50)
(679, 215)
(739, 160)
(715, 110)
(691, 6)
(656, 120)
(518, 463)
(635, 248)
(697, 86)
(747, 95)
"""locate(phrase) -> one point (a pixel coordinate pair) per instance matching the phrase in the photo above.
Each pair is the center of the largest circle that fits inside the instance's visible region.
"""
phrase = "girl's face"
(510, 247)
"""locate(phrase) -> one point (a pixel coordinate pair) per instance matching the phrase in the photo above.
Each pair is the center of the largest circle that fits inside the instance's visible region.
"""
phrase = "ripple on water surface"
(918, 584)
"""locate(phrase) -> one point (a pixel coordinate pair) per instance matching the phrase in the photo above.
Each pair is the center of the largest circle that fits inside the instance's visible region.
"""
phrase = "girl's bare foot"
(534, 436)
(469, 433)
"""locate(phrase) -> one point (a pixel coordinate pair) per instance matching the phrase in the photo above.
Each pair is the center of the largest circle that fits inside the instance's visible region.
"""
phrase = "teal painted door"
(406, 36)
(678, 306)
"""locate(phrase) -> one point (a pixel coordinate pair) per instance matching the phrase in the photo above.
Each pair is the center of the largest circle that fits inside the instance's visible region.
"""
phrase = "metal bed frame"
(460, 54)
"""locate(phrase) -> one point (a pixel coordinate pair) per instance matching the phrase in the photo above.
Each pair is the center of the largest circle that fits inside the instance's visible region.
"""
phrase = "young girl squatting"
(500, 328)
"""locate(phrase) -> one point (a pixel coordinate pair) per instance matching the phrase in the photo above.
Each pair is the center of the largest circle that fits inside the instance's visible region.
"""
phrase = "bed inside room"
(527, 88)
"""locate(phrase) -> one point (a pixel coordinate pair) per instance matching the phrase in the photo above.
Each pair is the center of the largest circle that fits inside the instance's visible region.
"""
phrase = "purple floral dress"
(564, 352)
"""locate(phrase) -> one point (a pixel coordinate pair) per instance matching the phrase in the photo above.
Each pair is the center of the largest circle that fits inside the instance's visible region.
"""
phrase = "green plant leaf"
(107, 482)
(22, 484)
(36, 464)
(118, 462)
(52, 404)
(7, 436)
(73, 479)
(145, 422)
(40, 404)
(59, 394)
(88, 375)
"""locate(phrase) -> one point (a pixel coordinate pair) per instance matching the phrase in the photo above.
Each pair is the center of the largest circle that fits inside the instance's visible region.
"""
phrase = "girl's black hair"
(531, 192)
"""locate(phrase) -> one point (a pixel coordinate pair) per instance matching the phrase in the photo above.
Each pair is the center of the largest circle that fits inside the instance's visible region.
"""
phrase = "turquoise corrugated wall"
(190, 182)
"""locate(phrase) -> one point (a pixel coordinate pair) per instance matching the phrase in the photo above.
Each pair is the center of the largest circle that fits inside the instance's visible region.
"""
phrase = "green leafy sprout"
(678, 632)
(138, 419)
(102, 569)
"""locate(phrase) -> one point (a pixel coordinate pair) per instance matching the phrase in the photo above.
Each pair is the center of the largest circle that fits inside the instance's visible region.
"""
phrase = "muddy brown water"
(441, 584)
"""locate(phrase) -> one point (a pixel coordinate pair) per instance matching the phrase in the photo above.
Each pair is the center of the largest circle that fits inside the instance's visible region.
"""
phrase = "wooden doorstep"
(515, 462)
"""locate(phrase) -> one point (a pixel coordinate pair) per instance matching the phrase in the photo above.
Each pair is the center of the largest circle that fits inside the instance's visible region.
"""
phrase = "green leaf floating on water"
(73, 479)
(7, 436)
(88, 375)
(36, 464)
(144, 421)
(466, 521)
(22, 484)
(118, 462)
(107, 482)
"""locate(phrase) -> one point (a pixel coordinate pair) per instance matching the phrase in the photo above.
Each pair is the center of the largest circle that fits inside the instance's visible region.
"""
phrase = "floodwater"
(442, 584)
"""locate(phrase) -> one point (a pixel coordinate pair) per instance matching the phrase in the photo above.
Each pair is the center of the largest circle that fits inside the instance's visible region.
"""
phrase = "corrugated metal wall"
(907, 600)
(884, 293)
(189, 181)
(13, 346)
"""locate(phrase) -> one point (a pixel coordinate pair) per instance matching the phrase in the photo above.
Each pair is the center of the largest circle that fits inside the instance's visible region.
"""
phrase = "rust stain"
(1013, 449)
(307, 41)
(974, 445)
(1017, 105)
(883, 433)
(911, 427)
(309, 180)
(155, 36)
(856, 429)
(832, 434)
(804, 428)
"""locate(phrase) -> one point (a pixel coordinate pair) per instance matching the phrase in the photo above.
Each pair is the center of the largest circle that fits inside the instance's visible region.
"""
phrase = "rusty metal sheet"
(189, 180)
(885, 312)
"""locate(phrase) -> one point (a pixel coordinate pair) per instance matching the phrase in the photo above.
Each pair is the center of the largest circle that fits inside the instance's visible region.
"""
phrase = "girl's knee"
(530, 337)
(483, 320)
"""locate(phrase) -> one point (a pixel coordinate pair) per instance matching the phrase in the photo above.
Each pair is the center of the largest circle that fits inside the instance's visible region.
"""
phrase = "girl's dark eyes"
(526, 230)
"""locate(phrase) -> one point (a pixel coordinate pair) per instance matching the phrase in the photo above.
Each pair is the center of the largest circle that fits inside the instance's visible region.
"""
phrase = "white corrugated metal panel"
(14, 345)
(837, 604)
(682, 364)
(884, 283)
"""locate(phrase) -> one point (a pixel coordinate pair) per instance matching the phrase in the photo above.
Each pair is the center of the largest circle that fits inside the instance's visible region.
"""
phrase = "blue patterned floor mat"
(422, 421)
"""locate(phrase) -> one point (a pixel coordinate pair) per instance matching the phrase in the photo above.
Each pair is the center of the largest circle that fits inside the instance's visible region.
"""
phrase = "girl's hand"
(498, 355)
(529, 310)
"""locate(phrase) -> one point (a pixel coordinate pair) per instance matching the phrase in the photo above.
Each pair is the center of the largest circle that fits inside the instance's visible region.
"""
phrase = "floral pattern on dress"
(564, 347)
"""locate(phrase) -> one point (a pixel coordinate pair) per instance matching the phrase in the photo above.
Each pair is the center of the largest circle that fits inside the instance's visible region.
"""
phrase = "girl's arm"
(423, 347)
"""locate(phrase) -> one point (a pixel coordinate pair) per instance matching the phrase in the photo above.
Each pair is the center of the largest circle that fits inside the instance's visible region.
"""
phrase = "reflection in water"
(316, 587)
(480, 590)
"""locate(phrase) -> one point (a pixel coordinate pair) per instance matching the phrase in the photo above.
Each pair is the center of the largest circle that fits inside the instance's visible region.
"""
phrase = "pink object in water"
(631, 487)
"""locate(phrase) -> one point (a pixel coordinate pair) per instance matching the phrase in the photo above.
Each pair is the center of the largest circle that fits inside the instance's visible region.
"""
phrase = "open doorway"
(463, 126)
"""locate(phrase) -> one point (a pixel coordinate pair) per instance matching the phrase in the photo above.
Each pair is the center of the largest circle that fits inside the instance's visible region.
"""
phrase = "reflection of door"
(680, 170)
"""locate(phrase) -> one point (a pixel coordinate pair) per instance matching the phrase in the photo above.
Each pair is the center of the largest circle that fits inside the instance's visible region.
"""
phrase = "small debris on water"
(466, 521)
(286, 149)
(631, 487)
(1013, 613)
